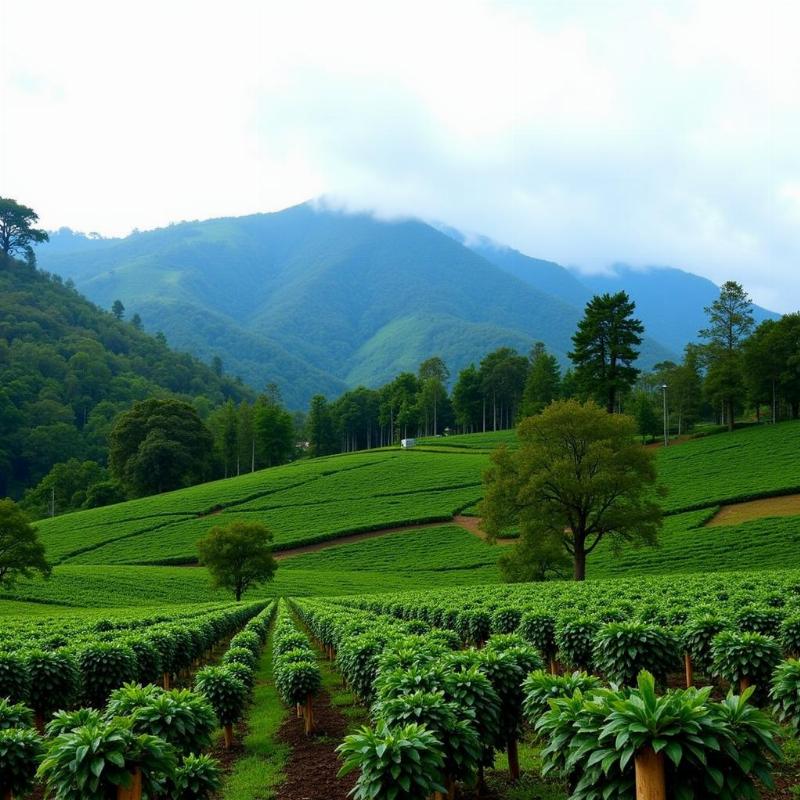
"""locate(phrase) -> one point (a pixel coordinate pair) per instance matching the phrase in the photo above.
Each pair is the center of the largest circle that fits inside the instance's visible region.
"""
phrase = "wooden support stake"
(227, 732)
(309, 715)
(689, 669)
(744, 683)
(651, 783)
(553, 665)
(166, 680)
(134, 791)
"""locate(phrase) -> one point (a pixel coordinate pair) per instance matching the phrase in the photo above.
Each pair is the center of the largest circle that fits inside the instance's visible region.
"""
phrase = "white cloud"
(587, 133)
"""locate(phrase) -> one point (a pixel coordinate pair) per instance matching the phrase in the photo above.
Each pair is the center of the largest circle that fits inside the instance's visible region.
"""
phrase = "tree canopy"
(605, 347)
(238, 556)
(159, 445)
(17, 231)
(21, 551)
(579, 476)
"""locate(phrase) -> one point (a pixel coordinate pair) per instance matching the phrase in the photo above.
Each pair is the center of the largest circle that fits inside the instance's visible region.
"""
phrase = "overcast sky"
(583, 132)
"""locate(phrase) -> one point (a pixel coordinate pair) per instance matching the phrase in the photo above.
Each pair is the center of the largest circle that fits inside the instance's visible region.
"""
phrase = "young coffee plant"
(506, 620)
(227, 695)
(743, 659)
(539, 629)
(15, 681)
(105, 667)
(196, 778)
(15, 715)
(54, 680)
(21, 750)
(575, 642)
(697, 636)
(240, 655)
(763, 620)
(790, 636)
(128, 699)
(785, 693)
(404, 763)
(66, 721)
(541, 687)
(623, 649)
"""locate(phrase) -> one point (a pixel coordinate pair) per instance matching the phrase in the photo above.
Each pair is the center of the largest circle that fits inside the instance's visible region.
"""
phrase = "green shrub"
(240, 655)
(196, 778)
(21, 750)
(226, 693)
(575, 642)
(66, 721)
(54, 680)
(295, 680)
(15, 681)
(128, 699)
(506, 620)
(246, 675)
(540, 630)
(711, 750)
(790, 636)
(247, 639)
(149, 665)
(623, 649)
(89, 763)
(766, 621)
(697, 636)
(746, 656)
(541, 687)
(785, 693)
(15, 715)
(404, 763)
(105, 667)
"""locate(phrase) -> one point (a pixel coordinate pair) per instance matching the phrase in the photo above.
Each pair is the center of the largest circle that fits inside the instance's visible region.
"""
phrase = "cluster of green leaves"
(709, 749)
(294, 663)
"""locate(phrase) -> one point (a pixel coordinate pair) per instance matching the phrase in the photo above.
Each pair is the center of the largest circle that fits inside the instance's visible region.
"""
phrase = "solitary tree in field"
(238, 555)
(730, 322)
(605, 347)
(579, 477)
(17, 233)
(21, 552)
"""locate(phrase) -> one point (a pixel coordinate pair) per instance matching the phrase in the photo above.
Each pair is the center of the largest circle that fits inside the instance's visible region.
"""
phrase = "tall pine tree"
(543, 384)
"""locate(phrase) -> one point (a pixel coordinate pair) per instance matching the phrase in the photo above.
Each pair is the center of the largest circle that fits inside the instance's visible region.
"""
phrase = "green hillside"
(99, 550)
(316, 300)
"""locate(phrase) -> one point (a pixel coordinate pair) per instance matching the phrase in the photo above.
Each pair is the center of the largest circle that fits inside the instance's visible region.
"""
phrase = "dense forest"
(68, 368)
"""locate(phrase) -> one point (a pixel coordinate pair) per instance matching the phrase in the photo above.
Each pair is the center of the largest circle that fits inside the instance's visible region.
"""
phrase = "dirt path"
(786, 506)
(469, 524)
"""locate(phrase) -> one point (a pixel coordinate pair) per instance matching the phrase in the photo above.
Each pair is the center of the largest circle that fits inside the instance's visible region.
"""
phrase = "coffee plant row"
(405, 655)
(294, 665)
(145, 741)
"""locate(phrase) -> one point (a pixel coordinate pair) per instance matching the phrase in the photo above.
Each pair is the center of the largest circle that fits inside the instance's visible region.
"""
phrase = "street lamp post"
(666, 416)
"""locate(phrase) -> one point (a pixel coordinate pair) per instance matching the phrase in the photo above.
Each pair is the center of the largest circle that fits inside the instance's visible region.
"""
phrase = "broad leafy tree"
(320, 428)
(543, 384)
(433, 374)
(579, 476)
(730, 322)
(21, 551)
(17, 231)
(274, 431)
(468, 400)
(238, 556)
(605, 347)
(503, 373)
(159, 445)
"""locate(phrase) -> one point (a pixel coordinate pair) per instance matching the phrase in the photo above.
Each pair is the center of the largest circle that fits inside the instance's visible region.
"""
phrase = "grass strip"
(259, 771)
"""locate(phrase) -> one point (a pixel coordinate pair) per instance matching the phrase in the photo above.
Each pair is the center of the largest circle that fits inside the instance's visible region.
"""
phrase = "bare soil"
(472, 524)
(786, 506)
(313, 764)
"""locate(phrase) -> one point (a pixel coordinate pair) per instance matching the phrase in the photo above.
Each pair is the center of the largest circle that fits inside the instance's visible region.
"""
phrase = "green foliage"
(159, 445)
(543, 383)
(21, 551)
(54, 679)
(104, 667)
(577, 476)
(21, 750)
(67, 721)
(605, 347)
(745, 656)
(790, 635)
(541, 687)
(238, 556)
(697, 638)
(90, 762)
(240, 655)
(766, 621)
(623, 649)
(404, 763)
(15, 715)
(15, 681)
(197, 777)
(17, 231)
(575, 642)
(710, 749)
(785, 693)
(226, 693)
(539, 628)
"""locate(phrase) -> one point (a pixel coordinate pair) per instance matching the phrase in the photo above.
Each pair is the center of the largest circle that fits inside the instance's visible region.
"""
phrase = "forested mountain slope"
(316, 300)
(67, 368)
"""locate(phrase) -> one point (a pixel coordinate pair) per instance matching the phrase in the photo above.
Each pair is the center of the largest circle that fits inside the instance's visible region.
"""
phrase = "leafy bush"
(15, 715)
(248, 639)
(240, 655)
(295, 680)
(404, 763)
(697, 636)
(506, 620)
(21, 750)
(66, 721)
(54, 680)
(128, 699)
(226, 693)
(709, 749)
(790, 636)
(246, 675)
(746, 656)
(575, 642)
(541, 687)
(785, 693)
(149, 664)
(766, 621)
(89, 763)
(196, 778)
(105, 667)
(623, 649)
(15, 681)
(539, 629)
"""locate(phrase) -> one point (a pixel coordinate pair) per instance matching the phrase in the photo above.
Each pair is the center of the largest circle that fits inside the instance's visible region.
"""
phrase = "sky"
(588, 133)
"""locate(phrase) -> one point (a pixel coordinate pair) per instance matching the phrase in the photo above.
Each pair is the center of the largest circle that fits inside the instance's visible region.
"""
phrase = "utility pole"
(666, 415)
